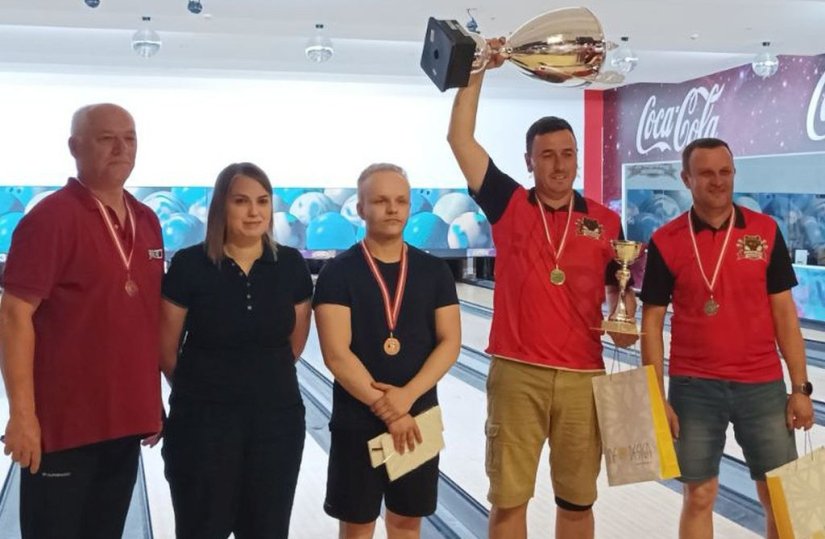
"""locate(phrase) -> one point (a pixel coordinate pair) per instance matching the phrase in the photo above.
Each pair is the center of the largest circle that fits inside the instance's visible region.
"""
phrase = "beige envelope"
(382, 450)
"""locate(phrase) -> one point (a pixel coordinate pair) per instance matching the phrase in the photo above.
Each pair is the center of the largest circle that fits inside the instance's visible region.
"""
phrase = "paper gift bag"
(798, 497)
(382, 449)
(636, 437)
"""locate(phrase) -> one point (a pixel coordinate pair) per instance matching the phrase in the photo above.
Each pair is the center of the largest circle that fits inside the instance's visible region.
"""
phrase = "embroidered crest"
(155, 254)
(589, 227)
(751, 247)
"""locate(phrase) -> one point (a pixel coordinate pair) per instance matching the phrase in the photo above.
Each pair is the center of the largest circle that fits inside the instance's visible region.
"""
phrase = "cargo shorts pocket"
(492, 461)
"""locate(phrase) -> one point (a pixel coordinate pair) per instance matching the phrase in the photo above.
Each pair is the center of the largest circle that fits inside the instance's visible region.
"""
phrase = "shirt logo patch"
(155, 254)
(751, 247)
(589, 227)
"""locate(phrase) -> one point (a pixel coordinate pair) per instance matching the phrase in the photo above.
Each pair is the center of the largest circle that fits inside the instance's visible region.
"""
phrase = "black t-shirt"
(347, 280)
(236, 336)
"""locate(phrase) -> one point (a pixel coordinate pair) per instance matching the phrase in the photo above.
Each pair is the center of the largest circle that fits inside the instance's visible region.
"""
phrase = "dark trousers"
(232, 468)
(81, 493)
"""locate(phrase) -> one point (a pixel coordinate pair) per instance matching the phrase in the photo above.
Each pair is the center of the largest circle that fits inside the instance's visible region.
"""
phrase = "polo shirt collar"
(268, 256)
(699, 225)
(579, 202)
(79, 191)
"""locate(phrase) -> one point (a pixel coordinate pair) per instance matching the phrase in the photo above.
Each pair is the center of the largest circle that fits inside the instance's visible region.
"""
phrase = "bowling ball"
(8, 222)
(189, 195)
(330, 230)
(9, 202)
(452, 205)
(426, 230)
(350, 211)
(431, 194)
(360, 232)
(661, 205)
(289, 194)
(308, 206)
(181, 230)
(200, 209)
(23, 194)
(289, 230)
(339, 195)
(279, 204)
(747, 202)
(164, 204)
(470, 230)
(643, 227)
(419, 202)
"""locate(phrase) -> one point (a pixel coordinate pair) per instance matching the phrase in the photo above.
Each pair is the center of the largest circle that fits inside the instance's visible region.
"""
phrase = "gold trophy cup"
(625, 253)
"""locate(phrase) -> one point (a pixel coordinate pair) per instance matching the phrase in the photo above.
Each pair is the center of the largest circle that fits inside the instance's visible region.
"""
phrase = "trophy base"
(617, 326)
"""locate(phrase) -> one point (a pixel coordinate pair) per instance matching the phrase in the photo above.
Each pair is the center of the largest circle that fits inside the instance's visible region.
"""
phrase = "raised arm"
(471, 156)
(17, 365)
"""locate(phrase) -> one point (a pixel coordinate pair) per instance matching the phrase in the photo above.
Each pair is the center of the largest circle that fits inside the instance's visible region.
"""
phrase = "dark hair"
(216, 222)
(548, 124)
(708, 143)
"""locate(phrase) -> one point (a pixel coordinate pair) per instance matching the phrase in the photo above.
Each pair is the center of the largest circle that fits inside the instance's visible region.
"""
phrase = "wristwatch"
(806, 388)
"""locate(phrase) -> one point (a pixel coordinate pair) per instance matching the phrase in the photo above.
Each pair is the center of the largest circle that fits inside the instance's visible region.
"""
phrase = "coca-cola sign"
(815, 122)
(672, 128)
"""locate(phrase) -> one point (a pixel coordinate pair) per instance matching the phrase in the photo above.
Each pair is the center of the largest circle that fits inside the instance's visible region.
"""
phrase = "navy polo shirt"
(236, 344)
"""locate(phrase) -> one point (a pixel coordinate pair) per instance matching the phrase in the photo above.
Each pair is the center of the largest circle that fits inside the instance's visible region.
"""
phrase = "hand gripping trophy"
(625, 253)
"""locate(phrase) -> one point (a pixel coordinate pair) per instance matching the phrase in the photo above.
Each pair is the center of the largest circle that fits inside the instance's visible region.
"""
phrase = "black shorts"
(355, 489)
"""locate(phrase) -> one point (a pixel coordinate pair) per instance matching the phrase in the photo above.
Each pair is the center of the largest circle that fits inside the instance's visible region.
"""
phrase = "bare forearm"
(442, 358)
(353, 377)
(465, 109)
(18, 363)
(653, 346)
(792, 346)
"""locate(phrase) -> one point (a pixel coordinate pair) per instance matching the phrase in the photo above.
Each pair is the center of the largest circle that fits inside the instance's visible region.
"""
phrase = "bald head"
(103, 143)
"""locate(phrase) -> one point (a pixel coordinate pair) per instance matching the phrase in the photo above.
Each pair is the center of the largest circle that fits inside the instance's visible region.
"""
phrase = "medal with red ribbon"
(711, 306)
(557, 276)
(391, 308)
(130, 286)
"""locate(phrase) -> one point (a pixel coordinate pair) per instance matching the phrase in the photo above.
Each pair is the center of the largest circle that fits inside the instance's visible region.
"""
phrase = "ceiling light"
(92, 3)
(194, 6)
(146, 42)
(319, 47)
(624, 60)
(765, 64)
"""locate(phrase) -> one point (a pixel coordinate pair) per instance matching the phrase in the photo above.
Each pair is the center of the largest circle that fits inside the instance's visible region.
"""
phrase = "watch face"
(807, 388)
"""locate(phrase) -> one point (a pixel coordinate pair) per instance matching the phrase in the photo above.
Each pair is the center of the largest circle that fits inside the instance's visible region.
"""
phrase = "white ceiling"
(675, 40)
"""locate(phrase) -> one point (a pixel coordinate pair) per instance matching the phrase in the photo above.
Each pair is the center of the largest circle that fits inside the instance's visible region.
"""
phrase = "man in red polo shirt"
(553, 260)
(728, 274)
(80, 338)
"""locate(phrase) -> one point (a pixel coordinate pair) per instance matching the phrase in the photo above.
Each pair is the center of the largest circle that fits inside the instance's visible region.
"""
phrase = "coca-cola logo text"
(673, 128)
(815, 123)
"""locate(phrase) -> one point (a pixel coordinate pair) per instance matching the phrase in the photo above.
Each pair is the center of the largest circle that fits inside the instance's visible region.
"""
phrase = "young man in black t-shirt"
(388, 322)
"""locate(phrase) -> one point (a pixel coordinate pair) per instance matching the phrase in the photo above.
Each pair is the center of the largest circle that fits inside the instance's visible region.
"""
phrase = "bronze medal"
(392, 346)
(711, 307)
(131, 288)
(557, 277)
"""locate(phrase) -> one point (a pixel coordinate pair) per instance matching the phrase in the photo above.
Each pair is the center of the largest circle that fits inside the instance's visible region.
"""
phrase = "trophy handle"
(482, 55)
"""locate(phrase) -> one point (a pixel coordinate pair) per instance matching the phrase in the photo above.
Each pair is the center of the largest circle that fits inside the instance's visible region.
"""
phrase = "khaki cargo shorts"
(527, 405)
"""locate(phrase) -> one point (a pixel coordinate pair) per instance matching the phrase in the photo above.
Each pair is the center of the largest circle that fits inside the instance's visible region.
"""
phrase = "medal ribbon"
(391, 310)
(556, 254)
(710, 284)
(126, 259)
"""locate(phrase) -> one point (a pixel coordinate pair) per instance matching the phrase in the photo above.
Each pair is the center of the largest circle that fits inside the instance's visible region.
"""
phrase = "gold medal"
(711, 307)
(392, 346)
(557, 277)
(131, 288)
(556, 274)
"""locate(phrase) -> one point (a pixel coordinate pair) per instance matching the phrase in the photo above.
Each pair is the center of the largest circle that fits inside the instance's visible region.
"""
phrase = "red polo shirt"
(96, 370)
(535, 321)
(738, 343)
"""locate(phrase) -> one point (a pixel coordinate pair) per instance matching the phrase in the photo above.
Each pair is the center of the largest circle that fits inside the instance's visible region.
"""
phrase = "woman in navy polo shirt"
(235, 315)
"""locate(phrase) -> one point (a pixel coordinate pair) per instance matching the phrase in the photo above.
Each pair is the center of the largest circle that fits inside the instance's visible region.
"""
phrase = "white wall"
(302, 132)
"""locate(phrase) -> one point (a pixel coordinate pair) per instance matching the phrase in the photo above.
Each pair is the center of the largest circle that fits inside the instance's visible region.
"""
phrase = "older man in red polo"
(80, 338)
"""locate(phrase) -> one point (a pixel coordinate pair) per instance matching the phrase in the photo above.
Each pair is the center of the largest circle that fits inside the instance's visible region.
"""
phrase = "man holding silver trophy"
(727, 272)
(554, 267)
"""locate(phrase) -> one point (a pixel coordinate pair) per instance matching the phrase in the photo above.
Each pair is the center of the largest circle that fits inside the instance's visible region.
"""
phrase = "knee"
(401, 522)
(508, 514)
(700, 497)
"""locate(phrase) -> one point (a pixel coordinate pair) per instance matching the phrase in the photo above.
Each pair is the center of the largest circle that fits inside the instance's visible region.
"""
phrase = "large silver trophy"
(625, 253)
(564, 47)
